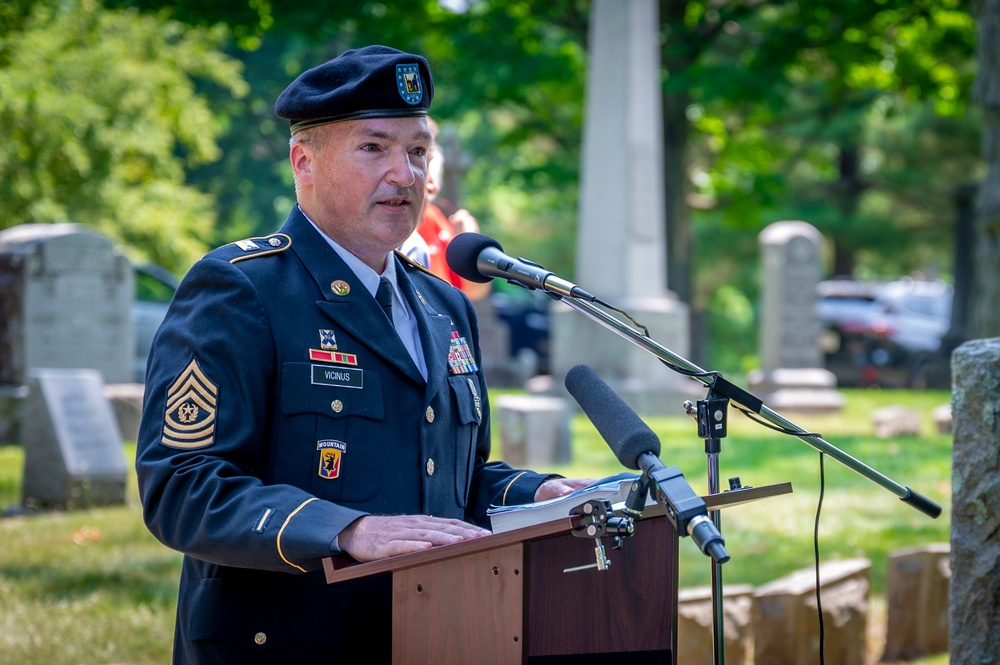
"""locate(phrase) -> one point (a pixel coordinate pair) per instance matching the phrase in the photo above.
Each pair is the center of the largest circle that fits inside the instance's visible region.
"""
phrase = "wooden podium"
(506, 598)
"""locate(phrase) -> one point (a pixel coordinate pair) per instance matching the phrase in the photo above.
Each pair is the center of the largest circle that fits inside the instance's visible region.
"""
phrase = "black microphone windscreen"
(463, 252)
(620, 426)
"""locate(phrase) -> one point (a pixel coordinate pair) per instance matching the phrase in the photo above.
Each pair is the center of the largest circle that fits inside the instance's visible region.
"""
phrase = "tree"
(509, 86)
(101, 115)
(984, 319)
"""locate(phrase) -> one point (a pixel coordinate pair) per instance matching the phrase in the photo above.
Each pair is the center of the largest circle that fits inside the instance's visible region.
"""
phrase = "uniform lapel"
(345, 299)
(435, 329)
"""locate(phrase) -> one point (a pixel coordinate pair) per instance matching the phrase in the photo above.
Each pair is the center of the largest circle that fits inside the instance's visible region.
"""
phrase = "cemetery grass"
(94, 587)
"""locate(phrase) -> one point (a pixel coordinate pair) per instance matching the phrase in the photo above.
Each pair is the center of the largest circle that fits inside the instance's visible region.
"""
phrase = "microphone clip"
(596, 519)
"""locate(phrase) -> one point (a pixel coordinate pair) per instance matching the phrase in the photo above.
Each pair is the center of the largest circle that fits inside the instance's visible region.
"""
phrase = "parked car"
(154, 288)
(883, 333)
(526, 314)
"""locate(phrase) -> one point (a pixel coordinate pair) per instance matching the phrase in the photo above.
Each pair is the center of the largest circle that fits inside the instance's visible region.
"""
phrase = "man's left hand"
(557, 487)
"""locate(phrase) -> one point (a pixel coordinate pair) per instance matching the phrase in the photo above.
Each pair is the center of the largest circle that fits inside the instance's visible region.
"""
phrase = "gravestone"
(621, 248)
(917, 599)
(974, 595)
(73, 455)
(696, 625)
(534, 430)
(786, 617)
(792, 376)
(65, 301)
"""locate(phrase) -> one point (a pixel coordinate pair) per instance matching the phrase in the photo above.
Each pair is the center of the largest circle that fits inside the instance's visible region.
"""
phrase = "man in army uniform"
(312, 393)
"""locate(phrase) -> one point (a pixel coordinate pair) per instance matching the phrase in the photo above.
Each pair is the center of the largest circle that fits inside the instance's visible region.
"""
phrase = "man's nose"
(402, 170)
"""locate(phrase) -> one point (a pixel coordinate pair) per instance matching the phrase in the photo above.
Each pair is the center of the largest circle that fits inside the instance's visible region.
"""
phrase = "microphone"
(637, 447)
(480, 258)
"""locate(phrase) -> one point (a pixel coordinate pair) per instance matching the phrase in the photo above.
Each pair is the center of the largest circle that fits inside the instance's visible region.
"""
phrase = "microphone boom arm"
(751, 403)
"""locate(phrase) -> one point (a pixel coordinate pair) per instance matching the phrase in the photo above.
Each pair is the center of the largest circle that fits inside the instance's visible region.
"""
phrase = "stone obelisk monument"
(620, 252)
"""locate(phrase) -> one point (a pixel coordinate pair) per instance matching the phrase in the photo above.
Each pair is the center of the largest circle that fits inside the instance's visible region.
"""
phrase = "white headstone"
(73, 455)
(792, 376)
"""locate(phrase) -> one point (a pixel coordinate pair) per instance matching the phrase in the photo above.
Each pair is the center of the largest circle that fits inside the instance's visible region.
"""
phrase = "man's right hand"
(379, 536)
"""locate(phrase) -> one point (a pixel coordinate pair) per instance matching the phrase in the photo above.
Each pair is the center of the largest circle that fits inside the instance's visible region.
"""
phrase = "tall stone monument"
(792, 375)
(620, 253)
(65, 302)
(974, 594)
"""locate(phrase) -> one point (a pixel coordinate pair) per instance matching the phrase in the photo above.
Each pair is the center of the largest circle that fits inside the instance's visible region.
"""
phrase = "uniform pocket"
(347, 446)
(469, 411)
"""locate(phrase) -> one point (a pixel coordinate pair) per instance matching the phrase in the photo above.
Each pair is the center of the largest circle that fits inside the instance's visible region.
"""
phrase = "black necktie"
(383, 296)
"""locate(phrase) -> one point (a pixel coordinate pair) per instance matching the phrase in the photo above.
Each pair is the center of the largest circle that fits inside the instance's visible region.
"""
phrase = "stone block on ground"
(696, 625)
(917, 599)
(126, 404)
(942, 419)
(786, 620)
(893, 421)
(534, 429)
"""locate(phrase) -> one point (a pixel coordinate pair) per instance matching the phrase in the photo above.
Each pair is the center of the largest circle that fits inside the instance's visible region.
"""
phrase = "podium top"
(342, 568)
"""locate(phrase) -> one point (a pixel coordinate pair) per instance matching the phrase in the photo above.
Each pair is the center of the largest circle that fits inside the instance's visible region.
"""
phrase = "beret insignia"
(408, 82)
(190, 418)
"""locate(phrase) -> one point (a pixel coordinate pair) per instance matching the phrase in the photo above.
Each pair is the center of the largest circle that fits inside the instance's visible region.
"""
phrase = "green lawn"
(93, 587)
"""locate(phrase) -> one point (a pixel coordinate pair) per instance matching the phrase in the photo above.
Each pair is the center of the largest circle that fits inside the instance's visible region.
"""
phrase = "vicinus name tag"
(337, 376)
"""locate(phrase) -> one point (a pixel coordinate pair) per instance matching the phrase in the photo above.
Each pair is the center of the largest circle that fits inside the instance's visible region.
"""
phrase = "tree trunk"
(964, 197)
(679, 51)
(984, 306)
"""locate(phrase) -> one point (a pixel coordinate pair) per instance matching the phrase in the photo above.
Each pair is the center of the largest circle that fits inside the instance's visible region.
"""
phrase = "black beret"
(369, 82)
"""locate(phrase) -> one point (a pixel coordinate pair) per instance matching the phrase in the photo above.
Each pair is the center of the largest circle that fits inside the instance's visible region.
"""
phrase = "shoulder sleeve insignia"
(190, 418)
(252, 248)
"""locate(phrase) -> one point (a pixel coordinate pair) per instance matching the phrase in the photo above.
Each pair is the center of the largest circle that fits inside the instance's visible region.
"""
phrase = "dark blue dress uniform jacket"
(258, 444)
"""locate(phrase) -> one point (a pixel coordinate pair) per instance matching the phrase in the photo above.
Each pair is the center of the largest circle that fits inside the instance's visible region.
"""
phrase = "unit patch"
(460, 358)
(330, 452)
(327, 340)
(190, 418)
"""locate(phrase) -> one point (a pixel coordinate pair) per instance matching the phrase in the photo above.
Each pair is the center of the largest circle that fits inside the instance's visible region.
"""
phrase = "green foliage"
(101, 116)
(820, 141)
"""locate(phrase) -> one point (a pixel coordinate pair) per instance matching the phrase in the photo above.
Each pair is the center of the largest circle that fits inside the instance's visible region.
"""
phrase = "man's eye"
(369, 147)
(420, 152)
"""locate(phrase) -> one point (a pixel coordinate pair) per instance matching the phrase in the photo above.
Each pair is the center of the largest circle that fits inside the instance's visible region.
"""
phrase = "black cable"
(819, 601)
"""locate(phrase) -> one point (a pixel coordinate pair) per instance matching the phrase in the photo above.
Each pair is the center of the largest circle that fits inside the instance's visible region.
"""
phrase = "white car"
(882, 332)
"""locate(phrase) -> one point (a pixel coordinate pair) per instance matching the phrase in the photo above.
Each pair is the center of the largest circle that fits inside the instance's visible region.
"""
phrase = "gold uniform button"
(260, 638)
(336, 406)
(430, 466)
(429, 414)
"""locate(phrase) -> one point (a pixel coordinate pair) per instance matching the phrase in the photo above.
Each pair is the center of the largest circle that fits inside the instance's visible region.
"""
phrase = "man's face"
(364, 186)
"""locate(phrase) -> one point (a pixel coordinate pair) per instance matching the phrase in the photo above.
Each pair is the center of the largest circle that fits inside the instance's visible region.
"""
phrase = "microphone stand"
(711, 413)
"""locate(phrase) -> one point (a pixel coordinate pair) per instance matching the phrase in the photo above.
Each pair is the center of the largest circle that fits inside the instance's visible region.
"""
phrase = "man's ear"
(301, 156)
